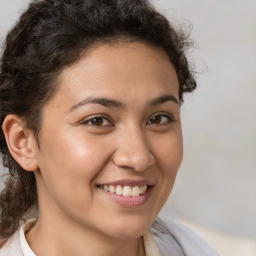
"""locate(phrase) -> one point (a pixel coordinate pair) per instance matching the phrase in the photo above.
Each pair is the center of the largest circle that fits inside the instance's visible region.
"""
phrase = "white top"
(150, 245)
(24, 244)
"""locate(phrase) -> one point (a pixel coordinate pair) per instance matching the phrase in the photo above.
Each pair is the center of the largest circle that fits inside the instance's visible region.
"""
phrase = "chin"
(130, 229)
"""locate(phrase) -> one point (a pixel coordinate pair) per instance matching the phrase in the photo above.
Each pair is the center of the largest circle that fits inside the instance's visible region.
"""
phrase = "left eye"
(160, 119)
(97, 121)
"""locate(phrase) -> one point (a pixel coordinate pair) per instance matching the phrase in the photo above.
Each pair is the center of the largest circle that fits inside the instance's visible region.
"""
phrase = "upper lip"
(129, 182)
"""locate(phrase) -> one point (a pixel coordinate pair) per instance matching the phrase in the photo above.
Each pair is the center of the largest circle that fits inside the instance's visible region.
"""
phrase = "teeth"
(125, 190)
(112, 189)
(143, 189)
(135, 191)
(119, 190)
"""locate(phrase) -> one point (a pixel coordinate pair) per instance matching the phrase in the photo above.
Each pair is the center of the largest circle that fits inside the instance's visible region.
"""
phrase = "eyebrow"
(106, 102)
(162, 99)
(112, 103)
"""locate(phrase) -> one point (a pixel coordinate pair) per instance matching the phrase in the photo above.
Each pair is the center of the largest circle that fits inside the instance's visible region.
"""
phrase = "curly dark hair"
(51, 35)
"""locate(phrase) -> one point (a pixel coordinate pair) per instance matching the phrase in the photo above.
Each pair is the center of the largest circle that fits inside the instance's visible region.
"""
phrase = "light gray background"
(216, 185)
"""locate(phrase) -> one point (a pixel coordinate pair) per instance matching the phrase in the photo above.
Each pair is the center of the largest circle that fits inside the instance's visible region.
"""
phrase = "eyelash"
(99, 117)
(170, 119)
(88, 121)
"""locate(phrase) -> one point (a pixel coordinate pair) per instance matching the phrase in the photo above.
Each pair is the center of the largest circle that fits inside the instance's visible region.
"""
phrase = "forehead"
(124, 70)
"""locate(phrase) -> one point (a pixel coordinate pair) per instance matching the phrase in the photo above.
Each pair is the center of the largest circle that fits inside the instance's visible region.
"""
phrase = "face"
(111, 141)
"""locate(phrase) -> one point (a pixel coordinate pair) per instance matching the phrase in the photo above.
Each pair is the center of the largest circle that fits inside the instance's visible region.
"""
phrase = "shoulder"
(175, 236)
(12, 246)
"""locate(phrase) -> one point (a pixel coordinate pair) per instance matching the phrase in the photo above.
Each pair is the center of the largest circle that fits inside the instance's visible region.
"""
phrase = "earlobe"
(21, 142)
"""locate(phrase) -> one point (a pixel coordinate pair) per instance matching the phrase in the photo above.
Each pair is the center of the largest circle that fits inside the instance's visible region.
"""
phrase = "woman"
(91, 133)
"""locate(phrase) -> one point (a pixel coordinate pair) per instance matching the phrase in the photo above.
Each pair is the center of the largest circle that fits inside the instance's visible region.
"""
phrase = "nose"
(133, 151)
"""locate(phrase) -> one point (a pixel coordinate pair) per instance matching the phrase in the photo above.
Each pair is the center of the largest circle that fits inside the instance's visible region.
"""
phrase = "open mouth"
(126, 191)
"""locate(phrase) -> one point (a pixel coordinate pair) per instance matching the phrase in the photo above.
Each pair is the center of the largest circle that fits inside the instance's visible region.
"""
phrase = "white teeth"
(135, 191)
(119, 190)
(144, 188)
(126, 190)
(112, 189)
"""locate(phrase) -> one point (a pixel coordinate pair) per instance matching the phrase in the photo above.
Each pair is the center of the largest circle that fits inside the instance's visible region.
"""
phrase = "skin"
(135, 141)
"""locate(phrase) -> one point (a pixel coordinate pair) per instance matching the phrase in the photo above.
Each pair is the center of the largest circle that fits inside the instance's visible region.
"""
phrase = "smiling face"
(111, 141)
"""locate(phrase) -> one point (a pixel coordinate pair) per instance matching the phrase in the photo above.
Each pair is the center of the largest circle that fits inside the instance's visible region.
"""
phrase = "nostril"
(138, 161)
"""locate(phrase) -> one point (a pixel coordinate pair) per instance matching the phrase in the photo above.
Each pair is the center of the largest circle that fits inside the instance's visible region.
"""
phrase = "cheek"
(68, 168)
(70, 164)
(75, 153)
(169, 152)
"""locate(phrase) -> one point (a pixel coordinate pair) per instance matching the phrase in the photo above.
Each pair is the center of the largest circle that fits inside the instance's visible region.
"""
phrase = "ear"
(21, 142)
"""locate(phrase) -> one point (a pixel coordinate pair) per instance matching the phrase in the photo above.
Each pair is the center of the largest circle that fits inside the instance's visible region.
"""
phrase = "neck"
(53, 238)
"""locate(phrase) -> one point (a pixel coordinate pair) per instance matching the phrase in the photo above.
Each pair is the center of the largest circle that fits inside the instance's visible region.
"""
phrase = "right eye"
(97, 121)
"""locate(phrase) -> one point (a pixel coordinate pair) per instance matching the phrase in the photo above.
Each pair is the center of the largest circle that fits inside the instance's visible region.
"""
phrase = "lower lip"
(128, 201)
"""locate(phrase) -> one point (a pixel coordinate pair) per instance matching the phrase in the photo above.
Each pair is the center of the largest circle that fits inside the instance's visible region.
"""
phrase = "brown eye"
(160, 119)
(156, 120)
(97, 122)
